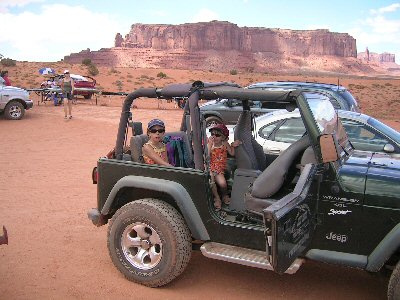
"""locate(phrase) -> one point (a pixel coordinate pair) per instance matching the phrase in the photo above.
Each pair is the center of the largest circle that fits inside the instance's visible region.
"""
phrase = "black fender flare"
(384, 250)
(172, 188)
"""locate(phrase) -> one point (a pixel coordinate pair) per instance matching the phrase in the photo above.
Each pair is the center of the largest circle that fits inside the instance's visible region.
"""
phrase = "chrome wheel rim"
(15, 111)
(141, 246)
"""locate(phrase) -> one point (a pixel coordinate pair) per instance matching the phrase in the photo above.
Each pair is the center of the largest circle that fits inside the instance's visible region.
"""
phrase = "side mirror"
(229, 102)
(328, 148)
(388, 148)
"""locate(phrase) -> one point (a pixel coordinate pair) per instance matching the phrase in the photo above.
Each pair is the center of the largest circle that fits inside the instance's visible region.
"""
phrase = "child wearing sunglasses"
(155, 151)
(218, 148)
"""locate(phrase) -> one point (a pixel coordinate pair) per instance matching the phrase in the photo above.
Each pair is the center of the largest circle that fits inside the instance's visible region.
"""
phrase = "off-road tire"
(394, 284)
(162, 221)
(14, 110)
(213, 120)
(87, 96)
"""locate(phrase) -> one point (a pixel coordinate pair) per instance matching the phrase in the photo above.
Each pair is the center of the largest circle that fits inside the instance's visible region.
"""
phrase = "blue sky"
(47, 30)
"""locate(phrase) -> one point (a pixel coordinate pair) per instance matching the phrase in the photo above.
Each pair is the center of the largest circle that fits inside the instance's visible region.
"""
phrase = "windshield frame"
(327, 120)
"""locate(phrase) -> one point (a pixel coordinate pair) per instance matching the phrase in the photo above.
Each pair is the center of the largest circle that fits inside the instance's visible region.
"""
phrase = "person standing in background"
(4, 75)
(67, 87)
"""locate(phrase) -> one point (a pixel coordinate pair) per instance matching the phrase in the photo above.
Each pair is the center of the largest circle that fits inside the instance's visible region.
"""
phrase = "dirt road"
(55, 252)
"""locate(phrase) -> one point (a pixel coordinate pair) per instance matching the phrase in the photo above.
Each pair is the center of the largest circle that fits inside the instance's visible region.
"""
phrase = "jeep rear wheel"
(394, 284)
(213, 120)
(149, 242)
(14, 111)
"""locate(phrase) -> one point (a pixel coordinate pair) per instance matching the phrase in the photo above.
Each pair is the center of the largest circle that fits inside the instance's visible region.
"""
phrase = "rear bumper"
(96, 217)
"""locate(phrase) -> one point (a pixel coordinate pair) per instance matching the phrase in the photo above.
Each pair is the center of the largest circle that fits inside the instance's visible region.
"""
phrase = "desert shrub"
(161, 75)
(119, 84)
(233, 72)
(250, 69)
(129, 76)
(388, 84)
(143, 77)
(8, 62)
(92, 69)
(357, 86)
(113, 71)
(87, 62)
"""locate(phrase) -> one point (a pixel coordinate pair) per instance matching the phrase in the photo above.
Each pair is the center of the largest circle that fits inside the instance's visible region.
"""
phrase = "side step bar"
(243, 256)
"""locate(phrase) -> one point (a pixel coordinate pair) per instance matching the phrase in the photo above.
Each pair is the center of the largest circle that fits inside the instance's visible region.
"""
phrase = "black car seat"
(250, 154)
(272, 179)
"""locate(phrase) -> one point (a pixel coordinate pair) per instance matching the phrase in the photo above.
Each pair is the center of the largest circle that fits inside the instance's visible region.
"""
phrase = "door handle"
(274, 150)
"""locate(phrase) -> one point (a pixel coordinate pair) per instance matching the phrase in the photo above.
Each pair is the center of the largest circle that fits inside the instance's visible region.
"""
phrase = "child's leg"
(223, 187)
(217, 199)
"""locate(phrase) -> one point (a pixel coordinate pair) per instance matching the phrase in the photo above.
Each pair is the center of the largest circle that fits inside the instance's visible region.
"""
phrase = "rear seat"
(137, 142)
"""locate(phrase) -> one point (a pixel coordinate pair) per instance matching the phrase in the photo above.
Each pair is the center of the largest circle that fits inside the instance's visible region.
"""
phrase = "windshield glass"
(326, 117)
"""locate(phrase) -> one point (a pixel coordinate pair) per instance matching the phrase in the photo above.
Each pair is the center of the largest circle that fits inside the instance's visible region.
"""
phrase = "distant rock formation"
(118, 40)
(225, 36)
(377, 57)
(224, 46)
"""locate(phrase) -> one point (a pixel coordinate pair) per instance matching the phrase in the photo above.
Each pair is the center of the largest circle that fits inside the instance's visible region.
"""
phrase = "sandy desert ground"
(377, 96)
(55, 252)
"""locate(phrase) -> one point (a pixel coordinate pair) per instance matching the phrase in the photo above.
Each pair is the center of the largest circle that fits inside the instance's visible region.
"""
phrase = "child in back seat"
(155, 151)
(218, 148)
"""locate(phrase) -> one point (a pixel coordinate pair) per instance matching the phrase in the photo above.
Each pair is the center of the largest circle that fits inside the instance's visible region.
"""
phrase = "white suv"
(13, 102)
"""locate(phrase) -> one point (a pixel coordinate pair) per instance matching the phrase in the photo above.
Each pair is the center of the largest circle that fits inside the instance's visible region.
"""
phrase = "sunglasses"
(157, 130)
(216, 134)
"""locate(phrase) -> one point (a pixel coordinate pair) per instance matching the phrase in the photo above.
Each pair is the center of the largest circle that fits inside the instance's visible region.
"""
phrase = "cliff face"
(224, 36)
(223, 46)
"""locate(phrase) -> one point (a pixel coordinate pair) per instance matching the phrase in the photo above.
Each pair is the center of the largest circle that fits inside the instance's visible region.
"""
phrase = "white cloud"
(391, 8)
(204, 15)
(51, 34)
(379, 32)
(381, 25)
(6, 4)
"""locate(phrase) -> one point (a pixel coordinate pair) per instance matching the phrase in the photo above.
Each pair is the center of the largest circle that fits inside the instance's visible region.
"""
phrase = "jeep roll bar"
(199, 91)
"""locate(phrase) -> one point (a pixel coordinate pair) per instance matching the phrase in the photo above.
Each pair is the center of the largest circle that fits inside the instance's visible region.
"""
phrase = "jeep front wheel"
(149, 242)
(14, 111)
(394, 284)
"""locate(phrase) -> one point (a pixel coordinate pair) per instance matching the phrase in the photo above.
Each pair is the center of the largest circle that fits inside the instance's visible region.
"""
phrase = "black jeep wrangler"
(317, 200)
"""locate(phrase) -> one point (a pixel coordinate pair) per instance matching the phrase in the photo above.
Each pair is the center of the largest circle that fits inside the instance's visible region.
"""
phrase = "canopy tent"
(47, 71)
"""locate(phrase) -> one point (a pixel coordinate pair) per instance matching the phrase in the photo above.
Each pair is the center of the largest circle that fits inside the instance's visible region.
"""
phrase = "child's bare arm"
(231, 147)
